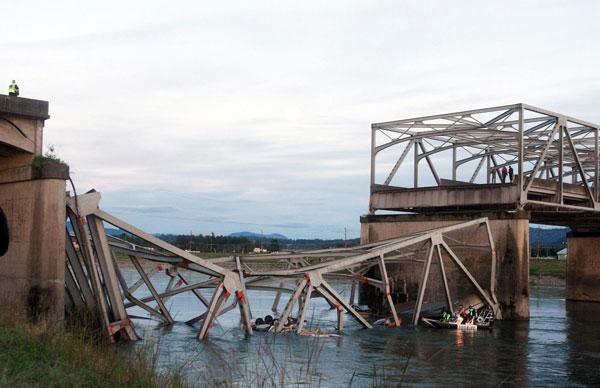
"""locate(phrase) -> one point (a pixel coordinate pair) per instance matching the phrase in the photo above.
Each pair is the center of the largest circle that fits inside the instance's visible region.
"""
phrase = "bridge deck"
(453, 196)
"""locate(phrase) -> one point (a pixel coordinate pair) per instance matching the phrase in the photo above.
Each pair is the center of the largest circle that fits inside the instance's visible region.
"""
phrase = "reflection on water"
(583, 342)
(560, 346)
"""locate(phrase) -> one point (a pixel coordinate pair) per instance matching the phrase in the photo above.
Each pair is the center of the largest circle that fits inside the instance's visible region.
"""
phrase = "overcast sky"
(240, 116)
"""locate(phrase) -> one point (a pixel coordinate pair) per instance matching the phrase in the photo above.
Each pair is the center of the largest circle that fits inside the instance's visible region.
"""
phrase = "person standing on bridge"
(13, 89)
(493, 172)
(503, 176)
(511, 174)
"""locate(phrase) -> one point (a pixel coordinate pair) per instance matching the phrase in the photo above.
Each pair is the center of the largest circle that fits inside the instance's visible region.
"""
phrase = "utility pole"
(261, 241)
(190, 249)
(539, 240)
(345, 238)
(212, 236)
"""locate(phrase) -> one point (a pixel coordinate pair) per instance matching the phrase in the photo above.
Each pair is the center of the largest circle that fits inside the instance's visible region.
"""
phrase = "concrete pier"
(583, 266)
(32, 273)
(510, 232)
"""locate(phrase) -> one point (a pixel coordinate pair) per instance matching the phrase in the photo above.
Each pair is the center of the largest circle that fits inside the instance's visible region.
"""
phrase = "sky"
(198, 116)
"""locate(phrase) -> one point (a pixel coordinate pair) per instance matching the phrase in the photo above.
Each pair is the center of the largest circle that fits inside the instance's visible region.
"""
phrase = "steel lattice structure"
(554, 157)
(94, 278)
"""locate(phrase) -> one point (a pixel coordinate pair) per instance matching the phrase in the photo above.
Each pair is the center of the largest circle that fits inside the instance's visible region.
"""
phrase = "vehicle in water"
(469, 319)
(268, 324)
(387, 322)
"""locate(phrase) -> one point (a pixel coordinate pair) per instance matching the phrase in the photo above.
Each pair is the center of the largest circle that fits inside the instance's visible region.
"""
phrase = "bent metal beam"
(307, 279)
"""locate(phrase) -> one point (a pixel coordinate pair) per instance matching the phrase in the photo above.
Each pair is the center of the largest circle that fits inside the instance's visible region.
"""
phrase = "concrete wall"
(21, 130)
(444, 196)
(511, 237)
(32, 272)
(583, 267)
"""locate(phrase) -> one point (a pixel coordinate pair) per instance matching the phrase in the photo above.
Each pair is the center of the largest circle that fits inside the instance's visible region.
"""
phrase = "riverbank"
(548, 267)
(45, 355)
(547, 281)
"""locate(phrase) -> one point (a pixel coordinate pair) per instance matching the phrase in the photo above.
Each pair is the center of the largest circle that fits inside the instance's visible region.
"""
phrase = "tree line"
(242, 245)
(209, 243)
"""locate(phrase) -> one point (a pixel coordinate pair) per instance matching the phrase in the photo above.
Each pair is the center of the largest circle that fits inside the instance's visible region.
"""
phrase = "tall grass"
(548, 267)
(285, 360)
(50, 355)
(267, 366)
(44, 354)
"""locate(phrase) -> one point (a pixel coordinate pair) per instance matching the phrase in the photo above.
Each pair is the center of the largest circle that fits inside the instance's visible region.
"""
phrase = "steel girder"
(536, 142)
(94, 278)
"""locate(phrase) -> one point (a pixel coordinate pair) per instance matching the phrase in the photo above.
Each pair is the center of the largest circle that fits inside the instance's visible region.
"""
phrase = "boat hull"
(455, 326)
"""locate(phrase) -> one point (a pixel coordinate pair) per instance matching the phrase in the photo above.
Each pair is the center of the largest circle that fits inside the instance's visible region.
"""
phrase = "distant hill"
(258, 235)
(548, 237)
(554, 237)
(109, 231)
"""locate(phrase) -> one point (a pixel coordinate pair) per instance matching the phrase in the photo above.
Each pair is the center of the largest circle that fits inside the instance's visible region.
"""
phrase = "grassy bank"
(43, 355)
(549, 267)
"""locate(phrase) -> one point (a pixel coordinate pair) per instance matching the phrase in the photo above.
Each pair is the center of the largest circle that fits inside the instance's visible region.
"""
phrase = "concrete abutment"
(583, 266)
(32, 272)
(510, 232)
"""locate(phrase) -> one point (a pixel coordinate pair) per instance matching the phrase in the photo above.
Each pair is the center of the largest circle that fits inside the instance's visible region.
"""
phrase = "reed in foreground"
(46, 355)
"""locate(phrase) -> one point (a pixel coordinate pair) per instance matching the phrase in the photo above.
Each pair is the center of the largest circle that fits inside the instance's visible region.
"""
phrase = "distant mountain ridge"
(258, 235)
(548, 237)
(109, 231)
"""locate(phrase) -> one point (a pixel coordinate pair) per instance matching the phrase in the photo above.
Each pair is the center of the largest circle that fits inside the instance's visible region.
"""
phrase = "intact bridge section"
(514, 164)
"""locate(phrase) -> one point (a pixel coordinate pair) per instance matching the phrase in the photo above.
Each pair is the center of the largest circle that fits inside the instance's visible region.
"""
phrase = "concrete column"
(511, 237)
(32, 273)
(583, 266)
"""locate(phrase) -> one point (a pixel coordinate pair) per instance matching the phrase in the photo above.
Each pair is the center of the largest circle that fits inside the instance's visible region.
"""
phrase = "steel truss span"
(94, 280)
(554, 159)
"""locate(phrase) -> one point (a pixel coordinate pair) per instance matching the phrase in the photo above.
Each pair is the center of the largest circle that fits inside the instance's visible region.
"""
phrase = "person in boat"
(460, 314)
(472, 315)
(446, 317)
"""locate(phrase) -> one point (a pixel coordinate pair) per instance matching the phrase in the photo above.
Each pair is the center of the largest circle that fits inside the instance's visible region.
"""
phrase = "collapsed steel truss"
(539, 144)
(93, 277)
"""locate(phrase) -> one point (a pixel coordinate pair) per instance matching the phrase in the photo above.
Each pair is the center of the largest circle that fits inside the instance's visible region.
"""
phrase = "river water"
(558, 347)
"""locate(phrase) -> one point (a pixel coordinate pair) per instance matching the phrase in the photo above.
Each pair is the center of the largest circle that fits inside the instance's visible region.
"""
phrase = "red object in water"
(388, 322)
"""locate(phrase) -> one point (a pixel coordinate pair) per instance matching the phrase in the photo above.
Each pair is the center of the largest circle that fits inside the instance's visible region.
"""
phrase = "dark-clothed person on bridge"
(503, 174)
(13, 89)
(511, 174)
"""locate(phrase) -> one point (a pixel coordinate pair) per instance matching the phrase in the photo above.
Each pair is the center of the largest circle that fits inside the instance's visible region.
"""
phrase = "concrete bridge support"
(583, 267)
(32, 272)
(510, 232)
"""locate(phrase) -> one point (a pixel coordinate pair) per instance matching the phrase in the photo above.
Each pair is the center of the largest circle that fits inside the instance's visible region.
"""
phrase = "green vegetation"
(44, 355)
(242, 245)
(48, 158)
(547, 251)
(274, 245)
(548, 267)
(217, 244)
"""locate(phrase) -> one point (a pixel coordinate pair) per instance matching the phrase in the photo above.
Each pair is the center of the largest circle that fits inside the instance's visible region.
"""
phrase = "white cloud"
(259, 113)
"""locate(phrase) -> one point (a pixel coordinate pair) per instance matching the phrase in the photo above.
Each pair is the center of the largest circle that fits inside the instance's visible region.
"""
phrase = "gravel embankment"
(545, 280)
